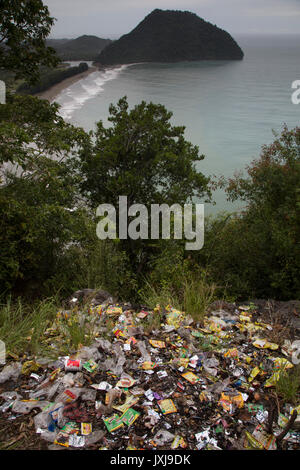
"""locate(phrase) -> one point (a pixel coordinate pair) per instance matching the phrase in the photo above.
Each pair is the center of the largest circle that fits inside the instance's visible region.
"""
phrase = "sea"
(230, 108)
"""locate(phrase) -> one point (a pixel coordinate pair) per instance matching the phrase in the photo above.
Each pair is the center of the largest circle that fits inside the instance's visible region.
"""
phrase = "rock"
(93, 297)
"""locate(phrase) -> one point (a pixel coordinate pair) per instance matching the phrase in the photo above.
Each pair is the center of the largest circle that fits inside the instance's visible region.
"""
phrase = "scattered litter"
(180, 385)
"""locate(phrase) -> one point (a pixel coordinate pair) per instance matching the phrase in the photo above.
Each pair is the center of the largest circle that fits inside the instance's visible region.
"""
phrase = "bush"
(256, 253)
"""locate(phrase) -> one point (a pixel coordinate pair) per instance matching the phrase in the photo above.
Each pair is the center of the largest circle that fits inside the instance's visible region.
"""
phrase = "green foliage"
(24, 26)
(94, 264)
(76, 332)
(39, 205)
(51, 77)
(288, 385)
(179, 282)
(163, 295)
(48, 236)
(22, 326)
(256, 253)
(141, 156)
(31, 128)
(198, 296)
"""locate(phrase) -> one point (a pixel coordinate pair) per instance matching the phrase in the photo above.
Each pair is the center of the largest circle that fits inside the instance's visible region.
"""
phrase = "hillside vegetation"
(50, 77)
(172, 36)
(82, 48)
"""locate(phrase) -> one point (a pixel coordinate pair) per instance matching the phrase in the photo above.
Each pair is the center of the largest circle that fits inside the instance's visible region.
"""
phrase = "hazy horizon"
(236, 35)
(114, 18)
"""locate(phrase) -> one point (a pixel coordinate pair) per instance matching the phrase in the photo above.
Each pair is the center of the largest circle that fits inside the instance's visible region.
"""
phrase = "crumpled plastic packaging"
(47, 435)
(10, 372)
(94, 437)
(24, 407)
(11, 396)
(162, 437)
(292, 349)
(48, 392)
(144, 353)
(87, 353)
(69, 395)
(104, 344)
(88, 395)
(43, 419)
(211, 366)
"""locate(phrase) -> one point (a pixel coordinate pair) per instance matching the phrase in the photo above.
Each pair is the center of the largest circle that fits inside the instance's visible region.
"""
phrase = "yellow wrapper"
(167, 406)
(174, 318)
(184, 361)
(130, 401)
(178, 442)
(255, 371)
(232, 353)
(265, 344)
(86, 429)
(114, 311)
(267, 440)
(226, 401)
(157, 344)
(149, 365)
(251, 443)
(190, 377)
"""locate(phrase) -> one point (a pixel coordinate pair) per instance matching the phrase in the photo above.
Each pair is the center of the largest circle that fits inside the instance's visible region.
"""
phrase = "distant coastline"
(55, 90)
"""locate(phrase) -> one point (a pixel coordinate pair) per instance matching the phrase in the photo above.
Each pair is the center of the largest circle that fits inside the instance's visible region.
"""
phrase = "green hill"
(172, 36)
(82, 48)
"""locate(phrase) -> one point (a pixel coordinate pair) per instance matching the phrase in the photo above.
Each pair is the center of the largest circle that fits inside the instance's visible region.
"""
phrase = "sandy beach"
(54, 91)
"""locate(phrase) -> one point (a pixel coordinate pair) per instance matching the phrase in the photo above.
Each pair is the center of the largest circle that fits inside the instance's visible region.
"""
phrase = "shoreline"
(55, 90)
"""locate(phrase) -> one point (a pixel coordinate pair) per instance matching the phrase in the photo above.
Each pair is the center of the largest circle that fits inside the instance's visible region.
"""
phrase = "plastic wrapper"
(167, 406)
(162, 437)
(265, 344)
(24, 407)
(69, 395)
(144, 353)
(10, 372)
(104, 344)
(174, 317)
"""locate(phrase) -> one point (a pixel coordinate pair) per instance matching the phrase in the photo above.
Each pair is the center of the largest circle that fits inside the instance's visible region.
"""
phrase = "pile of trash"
(156, 380)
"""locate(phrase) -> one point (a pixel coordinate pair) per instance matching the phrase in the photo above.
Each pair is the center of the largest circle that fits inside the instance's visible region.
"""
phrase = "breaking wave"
(75, 96)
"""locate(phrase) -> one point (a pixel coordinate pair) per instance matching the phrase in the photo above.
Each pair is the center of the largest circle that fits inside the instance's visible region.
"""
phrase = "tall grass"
(198, 295)
(163, 295)
(288, 385)
(194, 297)
(22, 326)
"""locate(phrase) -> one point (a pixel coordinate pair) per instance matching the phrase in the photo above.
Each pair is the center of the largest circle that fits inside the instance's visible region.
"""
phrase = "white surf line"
(76, 95)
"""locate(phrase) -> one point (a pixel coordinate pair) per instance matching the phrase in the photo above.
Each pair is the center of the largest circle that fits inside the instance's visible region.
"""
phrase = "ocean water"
(229, 108)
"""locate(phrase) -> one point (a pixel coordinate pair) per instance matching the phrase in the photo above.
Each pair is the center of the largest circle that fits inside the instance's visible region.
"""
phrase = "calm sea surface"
(229, 108)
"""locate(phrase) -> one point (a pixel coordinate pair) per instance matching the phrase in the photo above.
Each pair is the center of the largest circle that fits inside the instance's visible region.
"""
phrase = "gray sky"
(112, 18)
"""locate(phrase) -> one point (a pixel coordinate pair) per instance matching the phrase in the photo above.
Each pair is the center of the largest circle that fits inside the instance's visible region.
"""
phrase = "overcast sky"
(112, 18)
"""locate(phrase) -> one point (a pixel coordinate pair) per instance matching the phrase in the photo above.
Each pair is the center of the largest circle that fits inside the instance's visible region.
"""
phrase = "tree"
(41, 213)
(30, 128)
(257, 252)
(271, 191)
(24, 26)
(144, 157)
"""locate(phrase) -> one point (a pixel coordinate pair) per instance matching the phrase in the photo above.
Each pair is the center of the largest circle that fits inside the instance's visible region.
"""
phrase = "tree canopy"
(24, 26)
(144, 157)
